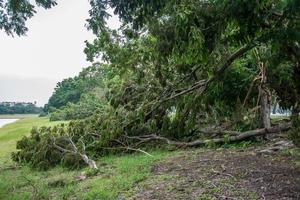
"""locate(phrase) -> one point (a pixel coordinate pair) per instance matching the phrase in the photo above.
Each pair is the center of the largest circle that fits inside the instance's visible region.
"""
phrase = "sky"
(30, 66)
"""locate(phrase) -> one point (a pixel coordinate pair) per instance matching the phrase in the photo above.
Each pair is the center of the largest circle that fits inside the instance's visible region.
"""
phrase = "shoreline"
(4, 122)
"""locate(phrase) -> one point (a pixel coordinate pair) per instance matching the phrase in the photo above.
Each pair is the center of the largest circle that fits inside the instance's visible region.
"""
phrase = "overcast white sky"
(30, 66)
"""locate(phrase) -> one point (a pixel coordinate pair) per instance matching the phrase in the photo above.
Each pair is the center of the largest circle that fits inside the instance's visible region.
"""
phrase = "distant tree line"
(20, 108)
(78, 97)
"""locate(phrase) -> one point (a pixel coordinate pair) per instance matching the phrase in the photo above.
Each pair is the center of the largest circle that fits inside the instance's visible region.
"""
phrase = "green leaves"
(15, 13)
(149, 71)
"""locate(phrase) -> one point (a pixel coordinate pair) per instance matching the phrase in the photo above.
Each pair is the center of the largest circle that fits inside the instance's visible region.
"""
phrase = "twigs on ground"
(223, 174)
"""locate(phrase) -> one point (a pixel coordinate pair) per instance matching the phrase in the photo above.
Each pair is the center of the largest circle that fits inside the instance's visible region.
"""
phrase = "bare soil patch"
(222, 174)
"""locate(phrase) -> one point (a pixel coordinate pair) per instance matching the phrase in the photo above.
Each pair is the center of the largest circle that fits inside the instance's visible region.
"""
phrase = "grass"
(18, 116)
(115, 179)
(275, 119)
(116, 176)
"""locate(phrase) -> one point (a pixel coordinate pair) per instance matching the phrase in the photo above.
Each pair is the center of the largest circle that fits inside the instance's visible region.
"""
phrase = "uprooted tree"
(184, 73)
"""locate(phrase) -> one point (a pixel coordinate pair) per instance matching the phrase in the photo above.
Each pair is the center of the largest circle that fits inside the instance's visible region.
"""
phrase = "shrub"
(38, 149)
(43, 114)
(295, 132)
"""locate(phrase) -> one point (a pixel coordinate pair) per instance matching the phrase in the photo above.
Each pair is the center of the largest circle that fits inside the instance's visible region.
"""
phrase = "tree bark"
(274, 108)
(265, 108)
(265, 99)
(295, 115)
(91, 163)
(238, 136)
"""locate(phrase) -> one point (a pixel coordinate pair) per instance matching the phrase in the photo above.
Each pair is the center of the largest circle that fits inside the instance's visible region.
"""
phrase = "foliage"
(38, 150)
(14, 14)
(295, 135)
(295, 132)
(20, 108)
(176, 67)
(87, 106)
(13, 132)
(116, 177)
(70, 90)
(79, 97)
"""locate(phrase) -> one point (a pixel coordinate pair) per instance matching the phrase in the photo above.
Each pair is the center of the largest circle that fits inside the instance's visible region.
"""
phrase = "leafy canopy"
(14, 14)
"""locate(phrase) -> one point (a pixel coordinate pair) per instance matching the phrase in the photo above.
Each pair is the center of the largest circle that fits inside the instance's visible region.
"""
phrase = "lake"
(6, 121)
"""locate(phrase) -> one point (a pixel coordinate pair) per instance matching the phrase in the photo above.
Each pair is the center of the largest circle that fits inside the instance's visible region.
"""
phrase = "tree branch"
(238, 136)
(203, 84)
(91, 163)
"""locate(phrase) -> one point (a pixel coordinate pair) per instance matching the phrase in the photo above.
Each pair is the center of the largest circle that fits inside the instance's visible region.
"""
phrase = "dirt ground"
(223, 174)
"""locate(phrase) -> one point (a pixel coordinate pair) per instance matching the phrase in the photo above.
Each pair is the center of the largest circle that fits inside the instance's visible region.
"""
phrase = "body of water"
(6, 121)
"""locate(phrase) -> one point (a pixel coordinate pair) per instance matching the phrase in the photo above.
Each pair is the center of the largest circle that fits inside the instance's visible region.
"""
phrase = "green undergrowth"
(116, 176)
(114, 179)
(294, 153)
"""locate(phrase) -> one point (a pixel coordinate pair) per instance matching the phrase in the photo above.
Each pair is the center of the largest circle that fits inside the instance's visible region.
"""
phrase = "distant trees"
(78, 97)
(65, 91)
(20, 108)
(71, 89)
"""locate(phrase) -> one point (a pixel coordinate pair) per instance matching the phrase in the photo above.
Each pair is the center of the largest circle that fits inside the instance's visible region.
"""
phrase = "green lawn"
(114, 179)
(278, 118)
(18, 116)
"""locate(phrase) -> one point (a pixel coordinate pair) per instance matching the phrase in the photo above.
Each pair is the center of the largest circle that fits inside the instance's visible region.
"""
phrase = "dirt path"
(222, 174)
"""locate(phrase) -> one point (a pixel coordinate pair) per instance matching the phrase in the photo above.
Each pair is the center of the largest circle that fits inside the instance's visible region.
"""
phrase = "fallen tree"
(235, 137)
(74, 147)
(177, 75)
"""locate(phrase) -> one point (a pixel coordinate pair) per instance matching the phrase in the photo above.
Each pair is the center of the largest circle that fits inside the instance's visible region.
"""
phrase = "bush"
(38, 149)
(86, 107)
(57, 116)
(295, 132)
(43, 114)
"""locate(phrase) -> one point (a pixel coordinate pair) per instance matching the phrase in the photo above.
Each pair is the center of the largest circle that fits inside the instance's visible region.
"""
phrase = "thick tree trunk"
(274, 108)
(295, 115)
(237, 136)
(265, 99)
(265, 108)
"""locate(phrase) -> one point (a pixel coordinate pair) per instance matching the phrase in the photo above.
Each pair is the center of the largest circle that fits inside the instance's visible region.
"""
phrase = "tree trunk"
(238, 136)
(265, 108)
(295, 115)
(274, 108)
(265, 99)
